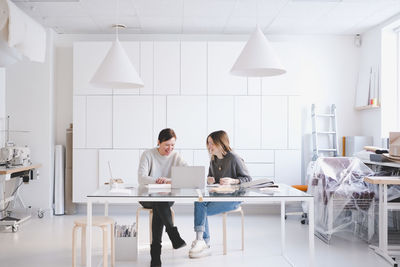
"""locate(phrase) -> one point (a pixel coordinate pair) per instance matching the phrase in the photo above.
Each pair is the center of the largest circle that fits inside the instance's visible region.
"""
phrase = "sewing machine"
(15, 156)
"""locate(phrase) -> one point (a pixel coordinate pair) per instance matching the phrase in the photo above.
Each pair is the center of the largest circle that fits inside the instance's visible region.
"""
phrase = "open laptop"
(188, 177)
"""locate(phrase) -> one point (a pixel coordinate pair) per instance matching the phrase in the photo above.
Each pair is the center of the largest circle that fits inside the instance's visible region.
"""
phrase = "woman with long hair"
(226, 168)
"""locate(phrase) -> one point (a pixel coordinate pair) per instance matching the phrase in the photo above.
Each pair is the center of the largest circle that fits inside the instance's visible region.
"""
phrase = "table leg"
(283, 237)
(381, 216)
(311, 245)
(384, 220)
(89, 234)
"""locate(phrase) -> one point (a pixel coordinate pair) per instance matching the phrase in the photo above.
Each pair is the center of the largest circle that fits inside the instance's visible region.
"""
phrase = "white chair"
(100, 221)
(239, 209)
(140, 208)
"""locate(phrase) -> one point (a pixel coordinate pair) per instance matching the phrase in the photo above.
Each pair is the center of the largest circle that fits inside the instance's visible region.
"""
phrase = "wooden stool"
(239, 209)
(102, 222)
(150, 220)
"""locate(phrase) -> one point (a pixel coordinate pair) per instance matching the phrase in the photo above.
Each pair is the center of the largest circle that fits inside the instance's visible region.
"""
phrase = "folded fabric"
(25, 34)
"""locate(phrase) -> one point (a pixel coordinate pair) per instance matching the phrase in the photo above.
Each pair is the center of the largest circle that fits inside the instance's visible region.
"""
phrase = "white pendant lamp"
(116, 70)
(258, 58)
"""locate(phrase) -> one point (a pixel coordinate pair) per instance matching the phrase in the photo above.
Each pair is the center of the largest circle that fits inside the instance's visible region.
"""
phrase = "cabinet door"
(124, 165)
(274, 122)
(133, 122)
(99, 122)
(87, 58)
(167, 67)
(221, 115)
(187, 116)
(288, 166)
(194, 68)
(147, 67)
(247, 122)
(85, 173)
(221, 57)
(79, 119)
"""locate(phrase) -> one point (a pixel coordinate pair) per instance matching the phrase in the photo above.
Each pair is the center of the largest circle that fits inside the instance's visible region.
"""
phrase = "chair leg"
(105, 248)
(241, 212)
(224, 231)
(151, 225)
(83, 246)
(74, 233)
(137, 220)
(112, 245)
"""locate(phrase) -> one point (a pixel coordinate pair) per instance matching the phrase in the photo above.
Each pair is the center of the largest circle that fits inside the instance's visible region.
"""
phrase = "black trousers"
(161, 217)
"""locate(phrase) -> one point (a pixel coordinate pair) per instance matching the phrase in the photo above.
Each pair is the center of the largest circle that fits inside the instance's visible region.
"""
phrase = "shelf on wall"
(368, 107)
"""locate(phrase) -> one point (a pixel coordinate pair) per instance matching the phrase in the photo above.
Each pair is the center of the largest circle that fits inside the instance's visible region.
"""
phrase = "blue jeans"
(204, 209)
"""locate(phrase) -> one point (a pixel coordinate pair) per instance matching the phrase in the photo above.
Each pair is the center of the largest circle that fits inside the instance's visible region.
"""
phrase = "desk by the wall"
(6, 176)
(384, 250)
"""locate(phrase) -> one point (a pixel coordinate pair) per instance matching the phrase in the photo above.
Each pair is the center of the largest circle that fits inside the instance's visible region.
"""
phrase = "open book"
(259, 183)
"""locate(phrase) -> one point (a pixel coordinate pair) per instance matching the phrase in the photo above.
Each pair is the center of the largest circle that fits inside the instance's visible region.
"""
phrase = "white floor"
(47, 243)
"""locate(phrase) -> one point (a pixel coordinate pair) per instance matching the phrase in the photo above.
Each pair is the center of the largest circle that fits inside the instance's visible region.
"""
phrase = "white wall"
(374, 52)
(30, 101)
(322, 69)
(2, 105)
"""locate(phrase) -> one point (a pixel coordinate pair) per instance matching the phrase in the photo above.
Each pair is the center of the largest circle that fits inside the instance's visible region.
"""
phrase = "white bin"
(126, 248)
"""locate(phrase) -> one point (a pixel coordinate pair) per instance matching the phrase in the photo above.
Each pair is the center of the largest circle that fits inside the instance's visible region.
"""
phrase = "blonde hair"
(221, 140)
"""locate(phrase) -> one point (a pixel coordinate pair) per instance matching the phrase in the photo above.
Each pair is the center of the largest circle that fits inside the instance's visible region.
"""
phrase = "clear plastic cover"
(342, 200)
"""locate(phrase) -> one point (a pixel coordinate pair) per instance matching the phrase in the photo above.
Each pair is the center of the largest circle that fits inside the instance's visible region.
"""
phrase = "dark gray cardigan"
(231, 165)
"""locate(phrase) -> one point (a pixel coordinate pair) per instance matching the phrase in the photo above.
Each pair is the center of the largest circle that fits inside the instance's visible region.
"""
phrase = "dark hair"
(165, 135)
(221, 139)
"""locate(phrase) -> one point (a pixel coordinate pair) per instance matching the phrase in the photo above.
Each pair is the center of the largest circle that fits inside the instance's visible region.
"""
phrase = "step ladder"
(331, 133)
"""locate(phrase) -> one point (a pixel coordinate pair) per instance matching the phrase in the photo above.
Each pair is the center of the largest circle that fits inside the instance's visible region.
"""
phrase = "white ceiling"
(211, 16)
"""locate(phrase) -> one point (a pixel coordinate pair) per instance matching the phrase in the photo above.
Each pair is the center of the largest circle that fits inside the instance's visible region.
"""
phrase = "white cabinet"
(194, 68)
(288, 166)
(221, 57)
(133, 122)
(124, 165)
(159, 117)
(256, 156)
(79, 118)
(220, 115)
(85, 173)
(167, 75)
(99, 122)
(260, 170)
(187, 116)
(201, 158)
(247, 122)
(274, 122)
(147, 67)
(87, 58)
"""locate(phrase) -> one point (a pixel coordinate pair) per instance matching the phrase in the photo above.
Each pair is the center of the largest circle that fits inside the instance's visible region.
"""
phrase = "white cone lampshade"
(258, 58)
(116, 70)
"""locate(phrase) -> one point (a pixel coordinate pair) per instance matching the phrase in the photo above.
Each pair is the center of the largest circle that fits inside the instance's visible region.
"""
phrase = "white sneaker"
(199, 249)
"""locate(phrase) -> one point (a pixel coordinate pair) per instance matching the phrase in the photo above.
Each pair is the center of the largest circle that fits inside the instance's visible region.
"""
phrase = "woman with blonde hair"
(225, 168)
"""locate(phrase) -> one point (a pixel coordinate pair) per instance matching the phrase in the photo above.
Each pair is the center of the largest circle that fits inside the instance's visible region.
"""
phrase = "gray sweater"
(152, 165)
(231, 165)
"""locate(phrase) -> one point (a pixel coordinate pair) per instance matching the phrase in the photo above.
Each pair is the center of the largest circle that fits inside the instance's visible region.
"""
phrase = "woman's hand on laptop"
(163, 180)
(210, 180)
(228, 180)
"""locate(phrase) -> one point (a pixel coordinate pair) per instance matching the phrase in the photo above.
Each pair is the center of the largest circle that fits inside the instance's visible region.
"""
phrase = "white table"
(285, 194)
(384, 250)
